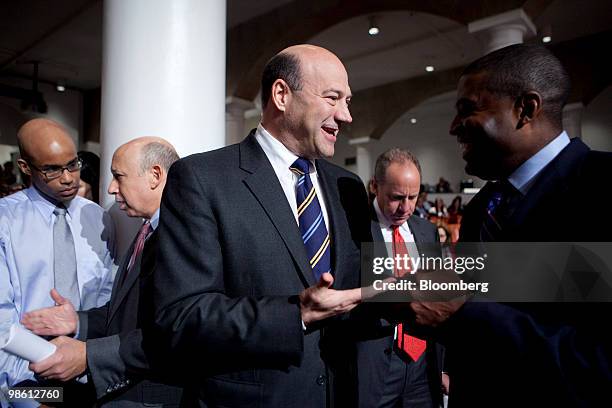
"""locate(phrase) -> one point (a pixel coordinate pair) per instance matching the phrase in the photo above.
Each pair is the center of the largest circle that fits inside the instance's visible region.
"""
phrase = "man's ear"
(23, 166)
(528, 106)
(280, 94)
(155, 176)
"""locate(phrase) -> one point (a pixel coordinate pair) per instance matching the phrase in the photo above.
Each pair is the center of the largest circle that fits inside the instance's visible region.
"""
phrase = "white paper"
(25, 344)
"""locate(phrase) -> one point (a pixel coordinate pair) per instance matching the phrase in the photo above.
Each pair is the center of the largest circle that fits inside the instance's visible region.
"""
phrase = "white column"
(163, 74)
(572, 119)
(364, 158)
(501, 30)
(235, 109)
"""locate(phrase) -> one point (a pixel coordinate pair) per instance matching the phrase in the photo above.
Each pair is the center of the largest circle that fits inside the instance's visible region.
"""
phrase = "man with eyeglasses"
(50, 238)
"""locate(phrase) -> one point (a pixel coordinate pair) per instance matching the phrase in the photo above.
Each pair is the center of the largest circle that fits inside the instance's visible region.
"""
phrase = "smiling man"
(252, 238)
(50, 237)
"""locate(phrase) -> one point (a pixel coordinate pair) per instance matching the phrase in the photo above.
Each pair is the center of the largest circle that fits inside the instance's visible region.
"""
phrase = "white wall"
(597, 122)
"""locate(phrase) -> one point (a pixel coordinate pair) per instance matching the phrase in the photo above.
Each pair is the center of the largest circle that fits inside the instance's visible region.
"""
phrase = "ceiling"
(66, 37)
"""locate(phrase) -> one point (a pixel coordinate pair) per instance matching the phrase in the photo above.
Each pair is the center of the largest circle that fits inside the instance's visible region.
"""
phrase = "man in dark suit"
(388, 376)
(260, 249)
(508, 123)
(113, 354)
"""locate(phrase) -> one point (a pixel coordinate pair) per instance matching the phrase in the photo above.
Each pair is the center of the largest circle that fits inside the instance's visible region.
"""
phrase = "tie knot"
(300, 166)
(59, 211)
(145, 229)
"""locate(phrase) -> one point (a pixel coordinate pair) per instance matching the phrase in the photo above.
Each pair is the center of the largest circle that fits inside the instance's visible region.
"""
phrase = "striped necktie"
(311, 221)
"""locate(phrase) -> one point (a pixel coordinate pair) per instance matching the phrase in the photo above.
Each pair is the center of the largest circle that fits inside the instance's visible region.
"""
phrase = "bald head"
(39, 136)
(305, 95)
(139, 169)
(49, 156)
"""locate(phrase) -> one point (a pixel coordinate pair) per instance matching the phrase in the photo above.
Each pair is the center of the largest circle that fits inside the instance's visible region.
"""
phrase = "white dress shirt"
(387, 232)
(281, 159)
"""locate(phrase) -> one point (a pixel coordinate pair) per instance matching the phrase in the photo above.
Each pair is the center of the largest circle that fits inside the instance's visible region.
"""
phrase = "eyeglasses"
(53, 172)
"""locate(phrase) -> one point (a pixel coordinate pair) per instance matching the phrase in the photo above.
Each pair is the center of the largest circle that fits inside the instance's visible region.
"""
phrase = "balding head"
(139, 169)
(305, 95)
(44, 146)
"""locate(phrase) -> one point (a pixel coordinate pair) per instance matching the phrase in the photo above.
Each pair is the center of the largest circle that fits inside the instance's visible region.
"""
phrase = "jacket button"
(321, 380)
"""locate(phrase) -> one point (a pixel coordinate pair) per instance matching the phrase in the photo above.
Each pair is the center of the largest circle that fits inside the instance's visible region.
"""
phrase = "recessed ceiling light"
(60, 86)
(429, 68)
(546, 39)
(413, 120)
(374, 29)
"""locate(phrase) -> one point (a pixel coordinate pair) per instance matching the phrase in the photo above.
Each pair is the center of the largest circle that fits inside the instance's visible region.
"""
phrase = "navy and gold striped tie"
(311, 221)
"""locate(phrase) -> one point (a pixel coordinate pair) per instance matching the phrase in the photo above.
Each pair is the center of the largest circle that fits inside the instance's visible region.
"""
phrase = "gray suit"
(117, 365)
(230, 266)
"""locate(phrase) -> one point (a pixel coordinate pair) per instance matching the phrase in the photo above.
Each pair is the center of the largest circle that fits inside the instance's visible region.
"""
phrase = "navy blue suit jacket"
(545, 354)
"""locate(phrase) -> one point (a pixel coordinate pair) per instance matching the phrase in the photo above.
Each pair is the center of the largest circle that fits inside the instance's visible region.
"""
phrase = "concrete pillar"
(235, 109)
(163, 74)
(501, 30)
(572, 119)
(365, 165)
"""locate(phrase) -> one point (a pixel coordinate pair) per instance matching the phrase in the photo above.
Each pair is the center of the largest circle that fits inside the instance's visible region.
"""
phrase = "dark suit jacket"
(231, 264)
(546, 354)
(375, 354)
(117, 364)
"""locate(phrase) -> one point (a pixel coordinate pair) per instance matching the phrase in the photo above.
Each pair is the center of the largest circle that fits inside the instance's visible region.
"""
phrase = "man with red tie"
(398, 370)
(108, 344)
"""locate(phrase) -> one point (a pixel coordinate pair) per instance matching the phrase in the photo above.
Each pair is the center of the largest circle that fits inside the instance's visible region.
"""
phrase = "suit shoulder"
(209, 160)
(336, 170)
(423, 223)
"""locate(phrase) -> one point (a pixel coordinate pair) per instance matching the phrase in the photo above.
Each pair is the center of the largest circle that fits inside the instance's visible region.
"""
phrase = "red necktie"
(140, 241)
(411, 345)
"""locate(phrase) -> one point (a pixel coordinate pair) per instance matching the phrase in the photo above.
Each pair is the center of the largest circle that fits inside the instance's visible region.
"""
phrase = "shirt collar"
(525, 175)
(45, 206)
(275, 151)
(155, 220)
(384, 221)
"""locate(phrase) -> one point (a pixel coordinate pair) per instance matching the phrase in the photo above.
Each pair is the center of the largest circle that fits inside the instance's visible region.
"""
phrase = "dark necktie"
(405, 343)
(311, 220)
(144, 231)
(498, 210)
(64, 259)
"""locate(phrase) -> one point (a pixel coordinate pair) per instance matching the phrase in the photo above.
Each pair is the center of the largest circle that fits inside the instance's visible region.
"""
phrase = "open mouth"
(330, 131)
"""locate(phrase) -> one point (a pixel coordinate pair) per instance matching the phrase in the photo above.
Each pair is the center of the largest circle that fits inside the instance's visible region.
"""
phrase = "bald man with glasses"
(50, 238)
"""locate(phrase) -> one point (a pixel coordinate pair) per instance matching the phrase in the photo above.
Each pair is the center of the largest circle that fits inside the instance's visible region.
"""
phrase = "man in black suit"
(388, 376)
(241, 295)
(113, 354)
(509, 125)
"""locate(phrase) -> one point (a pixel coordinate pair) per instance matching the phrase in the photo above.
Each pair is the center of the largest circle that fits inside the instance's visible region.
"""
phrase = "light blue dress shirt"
(26, 262)
(526, 174)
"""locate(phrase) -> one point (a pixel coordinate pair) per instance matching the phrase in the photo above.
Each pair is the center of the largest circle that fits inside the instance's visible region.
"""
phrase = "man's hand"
(432, 314)
(68, 361)
(60, 320)
(320, 301)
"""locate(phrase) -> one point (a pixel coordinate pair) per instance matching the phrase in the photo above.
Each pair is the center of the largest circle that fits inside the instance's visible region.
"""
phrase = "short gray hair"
(157, 153)
(394, 155)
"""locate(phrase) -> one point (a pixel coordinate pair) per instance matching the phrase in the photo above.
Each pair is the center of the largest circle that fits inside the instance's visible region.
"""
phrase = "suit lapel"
(553, 179)
(264, 185)
(419, 235)
(119, 277)
(123, 290)
(334, 212)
